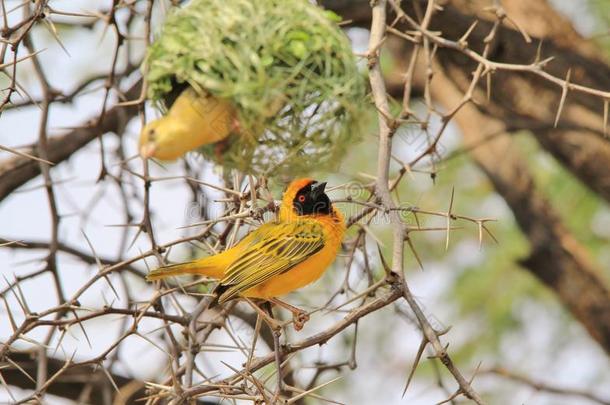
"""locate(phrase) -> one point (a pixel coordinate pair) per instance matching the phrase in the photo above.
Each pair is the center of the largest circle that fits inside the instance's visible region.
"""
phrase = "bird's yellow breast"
(309, 270)
(194, 120)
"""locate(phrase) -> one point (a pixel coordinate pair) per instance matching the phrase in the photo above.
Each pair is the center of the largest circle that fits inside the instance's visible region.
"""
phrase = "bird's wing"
(271, 250)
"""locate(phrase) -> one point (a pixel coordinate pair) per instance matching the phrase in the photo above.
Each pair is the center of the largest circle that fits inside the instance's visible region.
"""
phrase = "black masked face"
(311, 200)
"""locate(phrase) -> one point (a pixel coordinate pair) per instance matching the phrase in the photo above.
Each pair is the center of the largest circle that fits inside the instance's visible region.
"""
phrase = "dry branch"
(18, 170)
(556, 257)
(96, 389)
(546, 387)
(518, 95)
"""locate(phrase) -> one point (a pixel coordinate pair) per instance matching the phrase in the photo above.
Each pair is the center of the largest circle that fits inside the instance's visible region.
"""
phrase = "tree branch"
(18, 170)
(556, 257)
(525, 89)
(74, 381)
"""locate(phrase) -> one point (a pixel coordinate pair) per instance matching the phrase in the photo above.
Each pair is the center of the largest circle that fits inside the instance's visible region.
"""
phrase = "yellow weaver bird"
(194, 120)
(278, 257)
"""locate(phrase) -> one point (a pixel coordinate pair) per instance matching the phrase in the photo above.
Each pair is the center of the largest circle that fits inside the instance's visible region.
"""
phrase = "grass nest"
(286, 67)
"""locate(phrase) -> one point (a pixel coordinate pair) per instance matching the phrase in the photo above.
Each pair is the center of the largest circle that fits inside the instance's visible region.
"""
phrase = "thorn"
(416, 219)
(490, 234)
(61, 338)
(10, 315)
(606, 117)
(25, 155)
(97, 260)
(18, 367)
(10, 286)
(82, 328)
(410, 243)
(457, 393)
(463, 41)
(449, 218)
(309, 391)
(418, 356)
(546, 61)
(519, 28)
(6, 388)
(476, 371)
(116, 388)
(51, 27)
(116, 294)
(488, 83)
(564, 94)
(538, 52)
(5, 65)
(384, 264)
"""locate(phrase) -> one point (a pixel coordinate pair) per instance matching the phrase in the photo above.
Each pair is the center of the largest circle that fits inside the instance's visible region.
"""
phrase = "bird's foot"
(274, 325)
(299, 319)
(299, 316)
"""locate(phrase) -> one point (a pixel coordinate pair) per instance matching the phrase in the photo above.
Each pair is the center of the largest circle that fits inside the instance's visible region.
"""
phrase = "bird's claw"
(299, 318)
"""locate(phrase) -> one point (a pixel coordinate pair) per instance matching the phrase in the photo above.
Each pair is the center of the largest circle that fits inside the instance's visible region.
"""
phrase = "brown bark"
(87, 384)
(556, 258)
(538, 18)
(522, 100)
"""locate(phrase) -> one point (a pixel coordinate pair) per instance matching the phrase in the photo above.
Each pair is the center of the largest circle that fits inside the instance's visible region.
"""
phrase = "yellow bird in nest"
(194, 119)
(278, 257)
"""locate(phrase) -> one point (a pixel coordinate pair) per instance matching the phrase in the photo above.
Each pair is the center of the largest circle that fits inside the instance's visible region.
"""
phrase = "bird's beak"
(148, 150)
(317, 190)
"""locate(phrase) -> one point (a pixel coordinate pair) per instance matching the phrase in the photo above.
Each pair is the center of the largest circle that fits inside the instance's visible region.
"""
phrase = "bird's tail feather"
(201, 267)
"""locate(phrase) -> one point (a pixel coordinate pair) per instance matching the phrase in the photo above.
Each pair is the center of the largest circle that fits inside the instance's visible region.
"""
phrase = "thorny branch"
(378, 29)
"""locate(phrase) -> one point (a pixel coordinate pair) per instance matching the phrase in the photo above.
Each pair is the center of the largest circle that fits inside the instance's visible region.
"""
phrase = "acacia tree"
(480, 65)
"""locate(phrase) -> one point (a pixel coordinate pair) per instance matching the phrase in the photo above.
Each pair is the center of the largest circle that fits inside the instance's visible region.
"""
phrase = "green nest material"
(284, 64)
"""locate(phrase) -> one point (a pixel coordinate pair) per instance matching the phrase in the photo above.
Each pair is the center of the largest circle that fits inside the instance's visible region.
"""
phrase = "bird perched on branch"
(280, 256)
(194, 119)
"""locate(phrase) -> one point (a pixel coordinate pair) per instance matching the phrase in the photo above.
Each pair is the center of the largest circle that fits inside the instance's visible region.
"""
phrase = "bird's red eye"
(302, 198)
